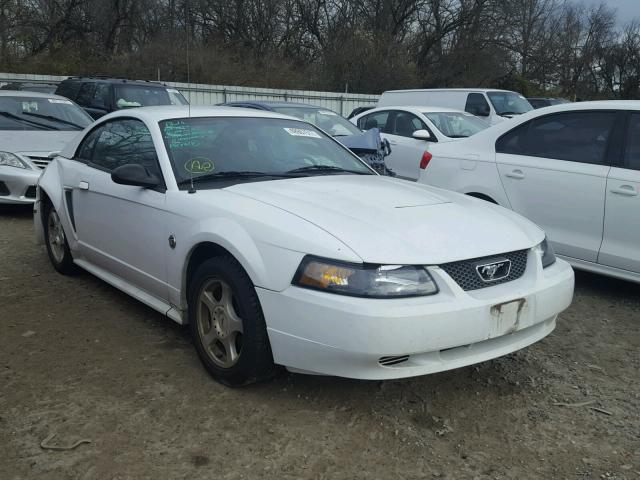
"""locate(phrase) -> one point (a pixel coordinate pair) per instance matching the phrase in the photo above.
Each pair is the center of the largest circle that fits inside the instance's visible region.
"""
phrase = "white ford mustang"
(279, 246)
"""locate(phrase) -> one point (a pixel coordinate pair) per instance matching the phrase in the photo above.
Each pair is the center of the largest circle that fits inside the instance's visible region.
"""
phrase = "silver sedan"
(33, 126)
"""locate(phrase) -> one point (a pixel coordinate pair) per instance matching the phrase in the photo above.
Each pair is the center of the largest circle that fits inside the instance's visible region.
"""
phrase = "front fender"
(48, 187)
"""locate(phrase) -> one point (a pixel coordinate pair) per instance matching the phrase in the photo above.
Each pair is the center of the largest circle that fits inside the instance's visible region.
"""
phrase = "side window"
(85, 95)
(477, 105)
(68, 89)
(406, 123)
(374, 120)
(632, 148)
(101, 96)
(122, 142)
(85, 150)
(513, 141)
(575, 137)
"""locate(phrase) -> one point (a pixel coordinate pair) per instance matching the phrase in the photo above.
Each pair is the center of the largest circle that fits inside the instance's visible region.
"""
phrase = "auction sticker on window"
(199, 165)
(301, 132)
(59, 100)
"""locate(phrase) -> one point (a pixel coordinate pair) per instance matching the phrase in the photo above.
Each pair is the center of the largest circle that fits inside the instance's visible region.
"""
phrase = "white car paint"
(120, 234)
(590, 211)
(406, 152)
(458, 98)
(34, 149)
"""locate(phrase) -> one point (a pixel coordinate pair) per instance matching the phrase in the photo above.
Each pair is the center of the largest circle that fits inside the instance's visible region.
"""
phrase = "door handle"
(517, 174)
(626, 190)
(83, 185)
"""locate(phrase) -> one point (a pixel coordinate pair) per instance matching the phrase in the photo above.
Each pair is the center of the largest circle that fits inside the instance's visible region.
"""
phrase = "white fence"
(202, 94)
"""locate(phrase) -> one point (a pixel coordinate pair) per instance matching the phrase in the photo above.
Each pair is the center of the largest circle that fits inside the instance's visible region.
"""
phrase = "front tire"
(227, 324)
(56, 242)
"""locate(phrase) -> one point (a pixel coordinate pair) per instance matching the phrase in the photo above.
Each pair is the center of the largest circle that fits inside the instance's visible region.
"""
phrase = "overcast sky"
(627, 9)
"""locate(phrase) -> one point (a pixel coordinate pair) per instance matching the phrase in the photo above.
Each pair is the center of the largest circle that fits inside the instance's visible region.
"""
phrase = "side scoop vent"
(393, 360)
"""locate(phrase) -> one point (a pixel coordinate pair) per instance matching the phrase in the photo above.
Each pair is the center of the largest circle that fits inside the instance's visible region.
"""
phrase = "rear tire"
(227, 324)
(56, 242)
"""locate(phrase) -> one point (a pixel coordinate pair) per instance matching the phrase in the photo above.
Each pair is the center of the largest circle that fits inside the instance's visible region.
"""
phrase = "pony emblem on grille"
(497, 270)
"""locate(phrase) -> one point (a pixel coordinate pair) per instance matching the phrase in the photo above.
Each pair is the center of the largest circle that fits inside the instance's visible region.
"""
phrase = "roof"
(271, 104)
(116, 80)
(28, 93)
(449, 90)
(168, 112)
(414, 109)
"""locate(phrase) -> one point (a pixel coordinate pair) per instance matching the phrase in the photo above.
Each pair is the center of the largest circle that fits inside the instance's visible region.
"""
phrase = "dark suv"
(99, 96)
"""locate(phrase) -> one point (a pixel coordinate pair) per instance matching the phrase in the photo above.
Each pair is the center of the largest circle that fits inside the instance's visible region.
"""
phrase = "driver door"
(121, 228)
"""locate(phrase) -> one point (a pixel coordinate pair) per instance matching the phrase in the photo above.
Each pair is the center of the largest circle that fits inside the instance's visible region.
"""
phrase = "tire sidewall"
(66, 266)
(256, 361)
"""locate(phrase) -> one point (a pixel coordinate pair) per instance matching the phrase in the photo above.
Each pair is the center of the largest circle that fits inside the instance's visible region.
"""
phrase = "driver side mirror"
(421, 135)
(135, 175)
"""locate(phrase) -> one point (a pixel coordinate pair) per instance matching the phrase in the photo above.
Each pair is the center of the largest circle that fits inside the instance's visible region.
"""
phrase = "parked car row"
(267, 227)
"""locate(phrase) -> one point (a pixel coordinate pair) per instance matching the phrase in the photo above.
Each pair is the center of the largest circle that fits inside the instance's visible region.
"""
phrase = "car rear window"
(128, 96)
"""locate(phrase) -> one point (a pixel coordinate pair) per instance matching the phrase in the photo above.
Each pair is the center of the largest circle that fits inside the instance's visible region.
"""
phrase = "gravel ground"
(83, 361)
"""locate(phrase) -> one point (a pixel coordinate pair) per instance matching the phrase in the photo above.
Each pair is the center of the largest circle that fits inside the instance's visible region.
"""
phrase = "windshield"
(201, 147)
(176, 97)
(128, 96)
(329, 121)
(509, 103)
(41, 113)
(456, 125)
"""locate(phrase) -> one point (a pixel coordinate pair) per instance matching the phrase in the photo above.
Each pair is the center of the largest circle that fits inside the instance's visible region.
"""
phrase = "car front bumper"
(18, 185)
(322, 333)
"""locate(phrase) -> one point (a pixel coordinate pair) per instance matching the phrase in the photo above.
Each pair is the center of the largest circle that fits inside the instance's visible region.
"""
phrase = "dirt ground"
(81, 360)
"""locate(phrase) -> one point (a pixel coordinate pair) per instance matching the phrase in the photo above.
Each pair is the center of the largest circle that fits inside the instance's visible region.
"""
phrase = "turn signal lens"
(324, 276)
(547, 254)
(359, 280)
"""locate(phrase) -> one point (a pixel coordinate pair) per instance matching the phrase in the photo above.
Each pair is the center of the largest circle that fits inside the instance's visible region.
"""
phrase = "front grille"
(464, 272)
(40, 162)
(4, 191)
(31, 192)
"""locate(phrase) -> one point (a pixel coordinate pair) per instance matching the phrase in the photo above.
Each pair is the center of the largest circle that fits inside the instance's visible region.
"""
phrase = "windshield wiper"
(54, 119)
(509, 113)
(235, 174)
(26, 120)
(325, 169)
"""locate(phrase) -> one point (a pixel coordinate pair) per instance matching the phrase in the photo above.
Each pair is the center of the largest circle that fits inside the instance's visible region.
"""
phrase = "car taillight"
(426, 158)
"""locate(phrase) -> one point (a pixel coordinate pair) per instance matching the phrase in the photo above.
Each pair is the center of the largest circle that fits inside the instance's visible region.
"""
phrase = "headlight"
(546, 253)
(11, 160)
(360, 280)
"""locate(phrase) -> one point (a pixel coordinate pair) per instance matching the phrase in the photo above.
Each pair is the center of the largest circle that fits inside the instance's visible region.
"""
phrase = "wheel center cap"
(219, 321)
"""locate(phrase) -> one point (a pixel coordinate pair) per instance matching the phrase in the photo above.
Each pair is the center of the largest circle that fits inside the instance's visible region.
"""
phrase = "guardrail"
(204, 94)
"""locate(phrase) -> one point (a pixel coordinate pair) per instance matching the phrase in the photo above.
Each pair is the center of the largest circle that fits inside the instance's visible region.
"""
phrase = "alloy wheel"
(219, 326)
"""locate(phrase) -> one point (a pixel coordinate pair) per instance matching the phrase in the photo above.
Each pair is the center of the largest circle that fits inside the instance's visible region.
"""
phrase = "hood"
(35, 141)
(368, 141)
(385, 220)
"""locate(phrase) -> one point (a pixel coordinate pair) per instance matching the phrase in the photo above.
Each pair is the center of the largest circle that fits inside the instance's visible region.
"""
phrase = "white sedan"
(411, 130)
(32, 127)
(278, 246)
(573, 169)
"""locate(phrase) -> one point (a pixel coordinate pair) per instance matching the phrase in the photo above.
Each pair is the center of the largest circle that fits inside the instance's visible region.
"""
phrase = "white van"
(494, 105)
